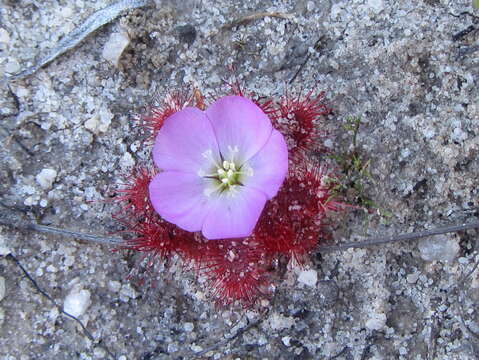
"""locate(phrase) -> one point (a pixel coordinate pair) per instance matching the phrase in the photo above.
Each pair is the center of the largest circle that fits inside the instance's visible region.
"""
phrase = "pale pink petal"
(239, 123)
(268, 167)
(179, 198)
(234, 216)
(186, 142)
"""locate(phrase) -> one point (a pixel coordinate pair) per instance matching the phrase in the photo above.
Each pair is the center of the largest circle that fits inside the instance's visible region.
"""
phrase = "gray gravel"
(67, 137)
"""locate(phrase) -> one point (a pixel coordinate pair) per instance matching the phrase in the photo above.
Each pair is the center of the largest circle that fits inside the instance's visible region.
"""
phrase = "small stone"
(77, 301)
(188, 327)
(114, 286)
(264, 302)
(52, 269)
(114, 47)
(262, 340)
(4, 249)
(46, 178)
(376, 5)
(53, 314)
(413, 278)
(308, 277)
(23, 92)
(69, 260)
(12, 66)
(2, 288)
(127, 161)
(376, 322)
(458, 135)
(286, 340)
(99, 353)
(196, 348)
(128, 291)
(280, 322)
(92, 123)
(66, 12)
(438, 248)
(4, 36)
(172, 348)
(30, 201)
(105, 119)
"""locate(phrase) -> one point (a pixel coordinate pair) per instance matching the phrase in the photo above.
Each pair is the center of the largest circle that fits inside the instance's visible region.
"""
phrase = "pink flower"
(219, 167)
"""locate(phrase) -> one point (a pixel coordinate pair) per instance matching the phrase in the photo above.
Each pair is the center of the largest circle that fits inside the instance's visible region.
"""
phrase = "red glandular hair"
(298, 120)
(290, 227)
(155, 116)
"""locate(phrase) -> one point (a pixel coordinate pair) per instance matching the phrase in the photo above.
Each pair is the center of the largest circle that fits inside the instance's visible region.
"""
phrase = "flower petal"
(234, 216)
(239, 123)
(269, 166)
(179, 198)
(186, 142)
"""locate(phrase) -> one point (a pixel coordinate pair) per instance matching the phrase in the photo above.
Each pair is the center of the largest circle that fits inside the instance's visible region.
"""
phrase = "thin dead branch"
(402, 237)
(253, 17)
(42, 292)
(26, 226)
(91, 24)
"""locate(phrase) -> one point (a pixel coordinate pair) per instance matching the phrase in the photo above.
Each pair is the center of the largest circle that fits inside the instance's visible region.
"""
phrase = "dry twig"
(253, 17)
(42, 292)
(26, 226)
(402, 237)
(91, 24)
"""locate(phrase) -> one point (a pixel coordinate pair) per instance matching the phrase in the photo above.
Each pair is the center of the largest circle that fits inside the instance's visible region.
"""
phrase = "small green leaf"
(475, 4)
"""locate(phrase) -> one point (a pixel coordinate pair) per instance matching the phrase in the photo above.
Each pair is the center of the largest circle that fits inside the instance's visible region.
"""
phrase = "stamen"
(208, 154)
(227, 176)
(212, 189)
(233, 190)
(248, 170)
(233, 150)
(208, 191)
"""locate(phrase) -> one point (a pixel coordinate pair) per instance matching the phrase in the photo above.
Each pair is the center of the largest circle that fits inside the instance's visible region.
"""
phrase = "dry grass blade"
(16, 223)
(91, 24)
(402, 237)
(253, 17)
(42, 292)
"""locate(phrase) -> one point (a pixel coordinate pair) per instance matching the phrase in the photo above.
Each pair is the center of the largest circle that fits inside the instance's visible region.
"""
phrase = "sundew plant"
(233, 188)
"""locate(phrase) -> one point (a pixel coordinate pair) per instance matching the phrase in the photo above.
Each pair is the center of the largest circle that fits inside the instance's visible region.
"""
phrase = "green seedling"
(355, 169)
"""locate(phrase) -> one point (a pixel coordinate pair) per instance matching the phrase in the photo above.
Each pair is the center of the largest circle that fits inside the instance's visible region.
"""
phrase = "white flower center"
(225, 176)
